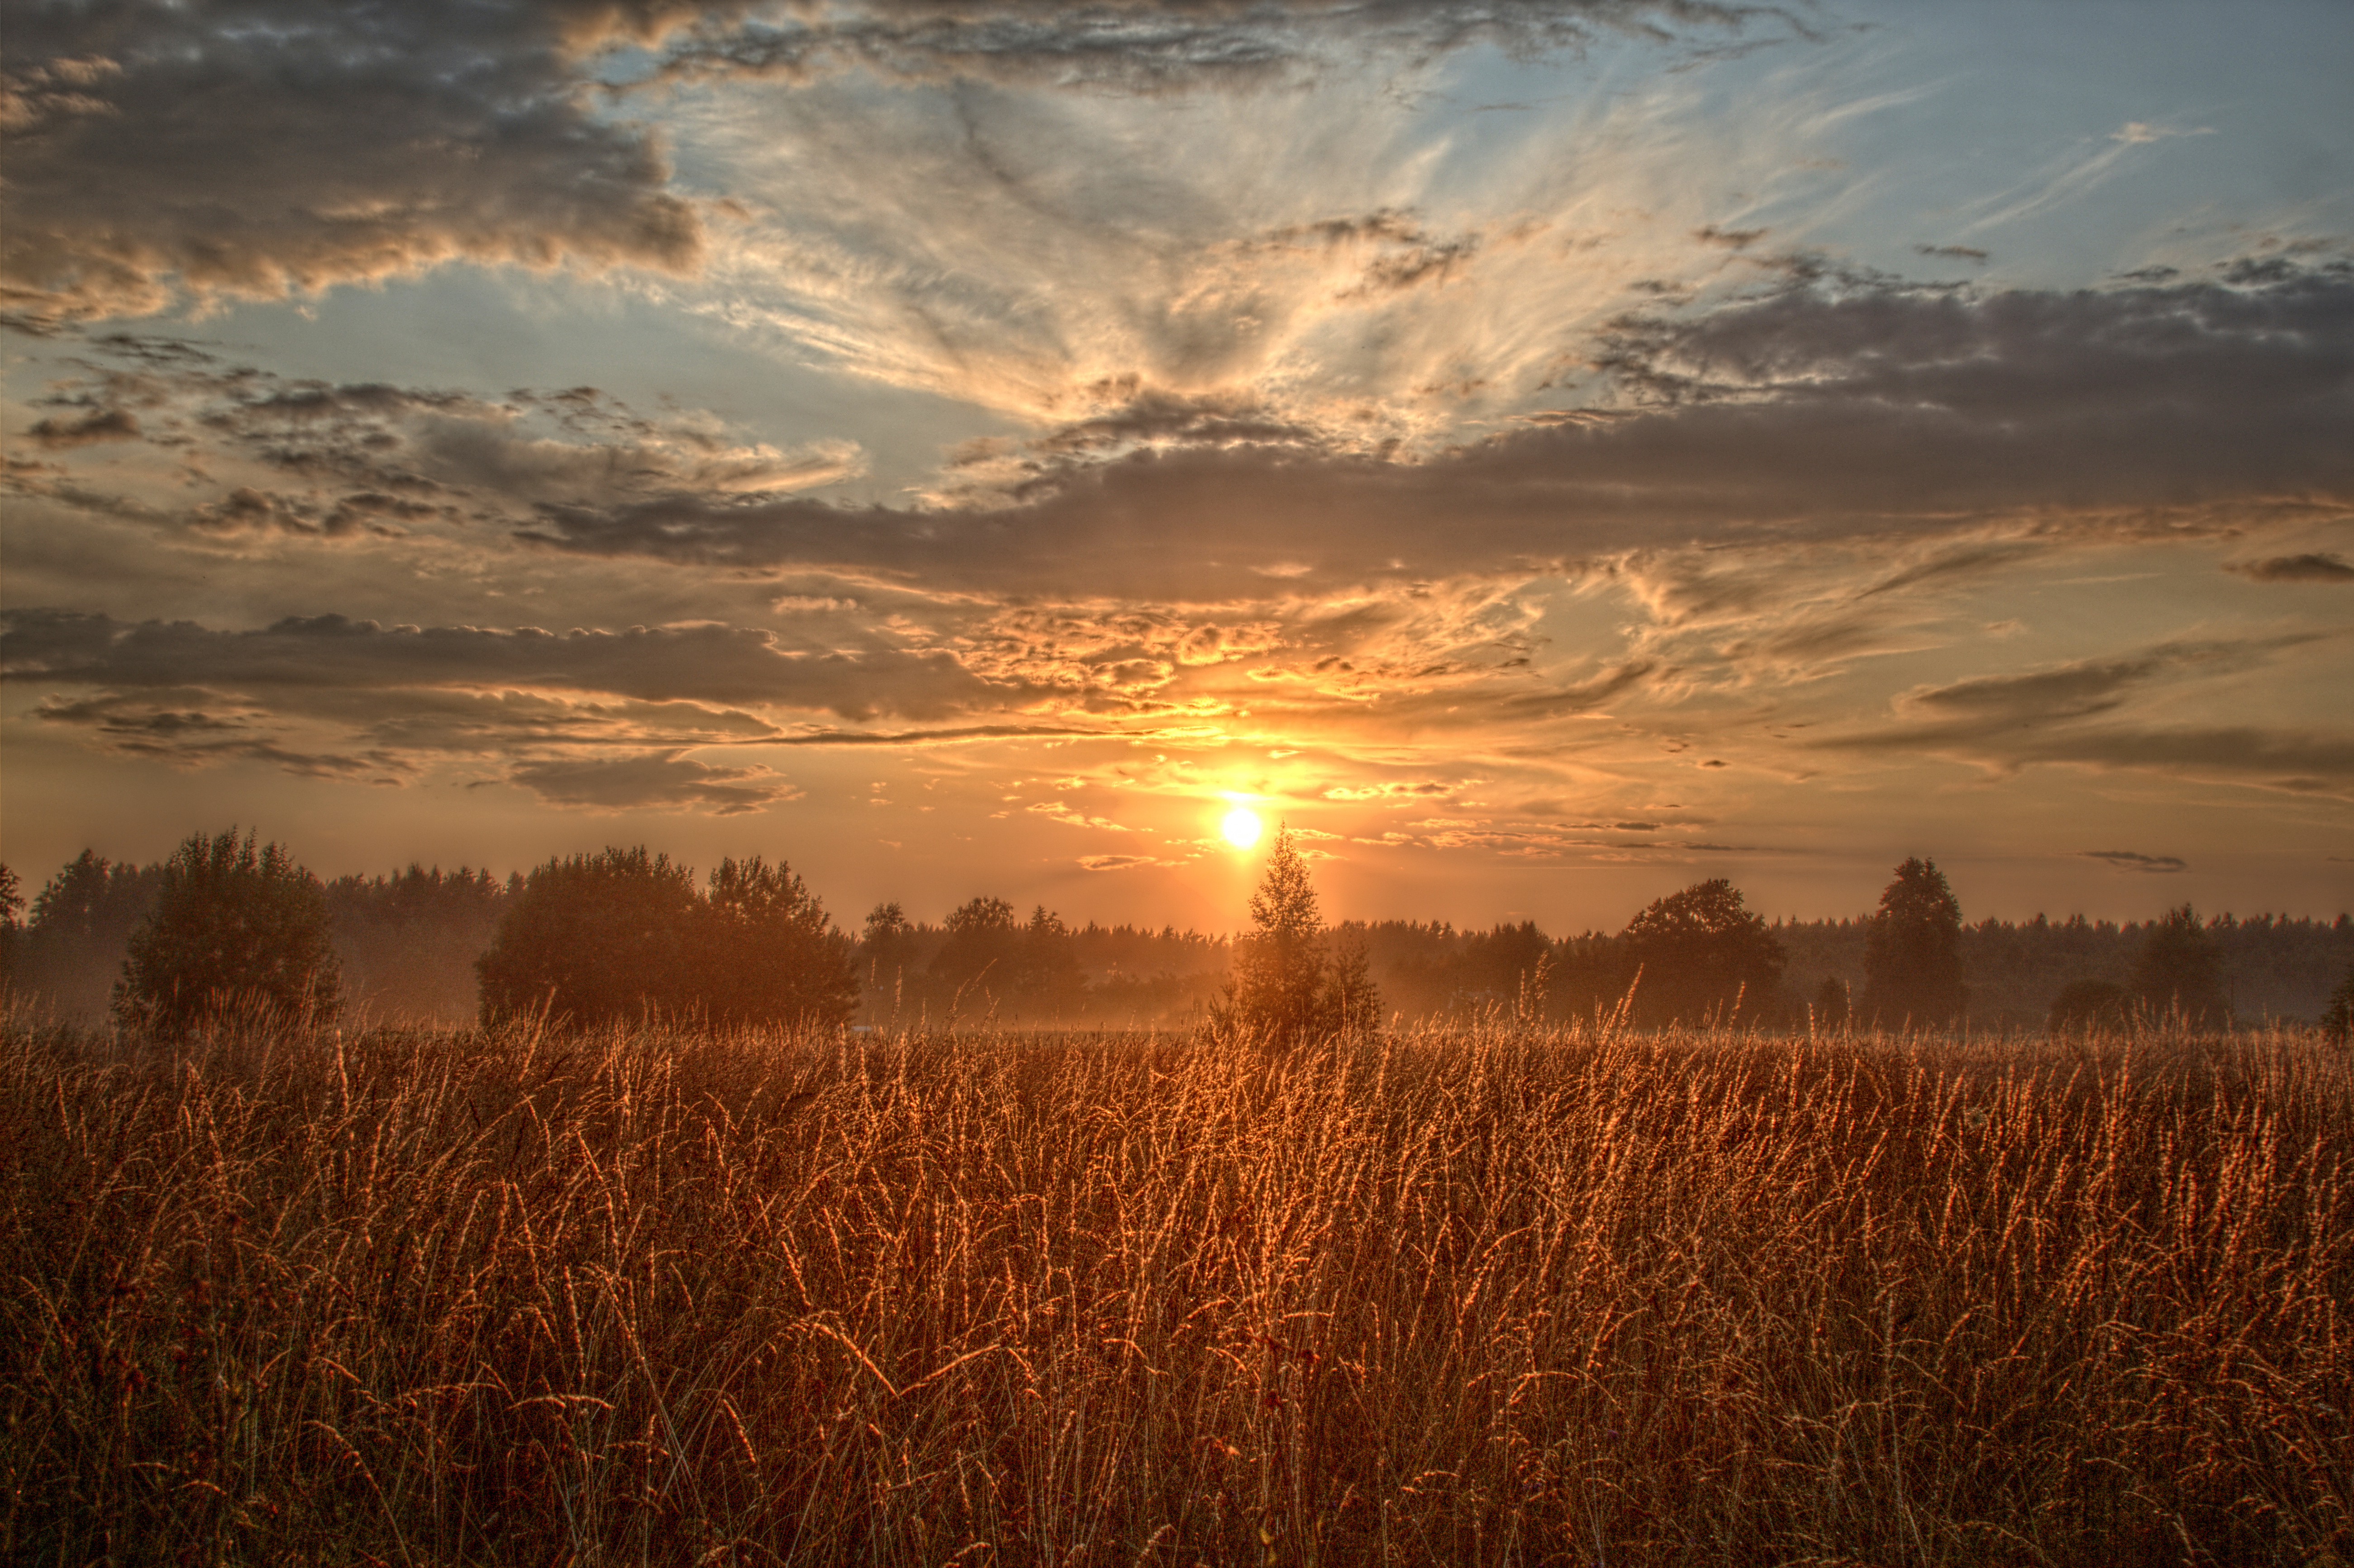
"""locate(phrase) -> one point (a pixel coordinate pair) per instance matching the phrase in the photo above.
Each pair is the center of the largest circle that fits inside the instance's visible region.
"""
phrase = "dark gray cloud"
(588, 719)
(704, 664)
(1148, 45)
(2307, 568)
(1826, 408)
(98, 424)
(662, 778)
(258, 146)
(2078, 713)
(2127, 860)
(2092, 686)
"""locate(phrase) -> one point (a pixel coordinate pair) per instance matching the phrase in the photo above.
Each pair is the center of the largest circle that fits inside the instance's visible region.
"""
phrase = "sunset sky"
(1547, 453)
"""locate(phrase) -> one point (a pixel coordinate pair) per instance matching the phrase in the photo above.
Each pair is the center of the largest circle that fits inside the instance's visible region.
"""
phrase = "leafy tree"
(236, 927)
(1912, 951)
(1831, 1005)
(1703, 957)
(984, 941)
(1285, 985)
(2179, 970)
(764, 952)
(2089, 1004)
(593, 938)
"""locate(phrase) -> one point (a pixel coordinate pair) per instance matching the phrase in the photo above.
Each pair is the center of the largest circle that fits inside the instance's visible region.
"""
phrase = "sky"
(1545, 452)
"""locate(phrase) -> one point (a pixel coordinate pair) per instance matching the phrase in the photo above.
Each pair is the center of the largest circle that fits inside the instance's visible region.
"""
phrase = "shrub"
(238, 927)
(2088, 1005)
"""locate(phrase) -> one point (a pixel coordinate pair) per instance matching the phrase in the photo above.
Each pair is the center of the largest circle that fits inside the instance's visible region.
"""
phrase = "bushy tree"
(1286, 985)
(1912, 951)
(1703, 957)
(764, 952)
(1831, 1004)
(2178, 970)
(592, 938)
(983, 939)
(238, 927)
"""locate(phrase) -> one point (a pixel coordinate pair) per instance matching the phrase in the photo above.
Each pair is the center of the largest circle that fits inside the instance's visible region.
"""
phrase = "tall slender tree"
(1287, 983)
(1279, 969)
(1912, 952)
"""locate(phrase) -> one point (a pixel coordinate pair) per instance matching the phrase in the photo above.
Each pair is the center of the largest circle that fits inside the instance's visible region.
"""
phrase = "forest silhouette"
(624, 933)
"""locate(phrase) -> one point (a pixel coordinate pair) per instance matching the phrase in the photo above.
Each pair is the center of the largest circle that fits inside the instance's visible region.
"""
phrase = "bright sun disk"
(1241, 828)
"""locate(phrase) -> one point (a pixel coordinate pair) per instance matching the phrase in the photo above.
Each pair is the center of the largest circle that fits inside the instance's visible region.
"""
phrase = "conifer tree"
(1286, 986)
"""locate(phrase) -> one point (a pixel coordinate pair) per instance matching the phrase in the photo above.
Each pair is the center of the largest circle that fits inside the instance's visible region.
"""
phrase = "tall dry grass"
(1496, 1297)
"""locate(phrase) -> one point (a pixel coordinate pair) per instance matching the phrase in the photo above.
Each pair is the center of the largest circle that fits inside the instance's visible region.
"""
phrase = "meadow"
(1503, 1295)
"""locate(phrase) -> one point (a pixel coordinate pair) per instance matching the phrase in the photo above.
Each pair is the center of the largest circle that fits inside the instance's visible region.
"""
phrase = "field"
(1500, 1296)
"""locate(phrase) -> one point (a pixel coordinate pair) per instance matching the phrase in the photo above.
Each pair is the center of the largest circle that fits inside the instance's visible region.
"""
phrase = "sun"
(1240, 827)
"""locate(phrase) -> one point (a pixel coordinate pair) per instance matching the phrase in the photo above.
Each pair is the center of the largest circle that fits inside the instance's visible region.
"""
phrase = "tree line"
(625, 932)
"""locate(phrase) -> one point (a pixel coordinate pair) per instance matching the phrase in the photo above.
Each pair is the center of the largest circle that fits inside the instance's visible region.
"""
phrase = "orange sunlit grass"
(1506, 1296)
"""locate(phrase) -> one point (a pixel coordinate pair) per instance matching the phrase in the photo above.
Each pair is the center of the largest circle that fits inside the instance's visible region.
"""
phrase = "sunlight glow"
(1241, 828)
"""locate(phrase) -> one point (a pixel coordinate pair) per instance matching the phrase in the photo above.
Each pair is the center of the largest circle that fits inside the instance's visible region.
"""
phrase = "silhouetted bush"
(2088, 1005)
(1703, 957)
(1913, 959)
(238, 927)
